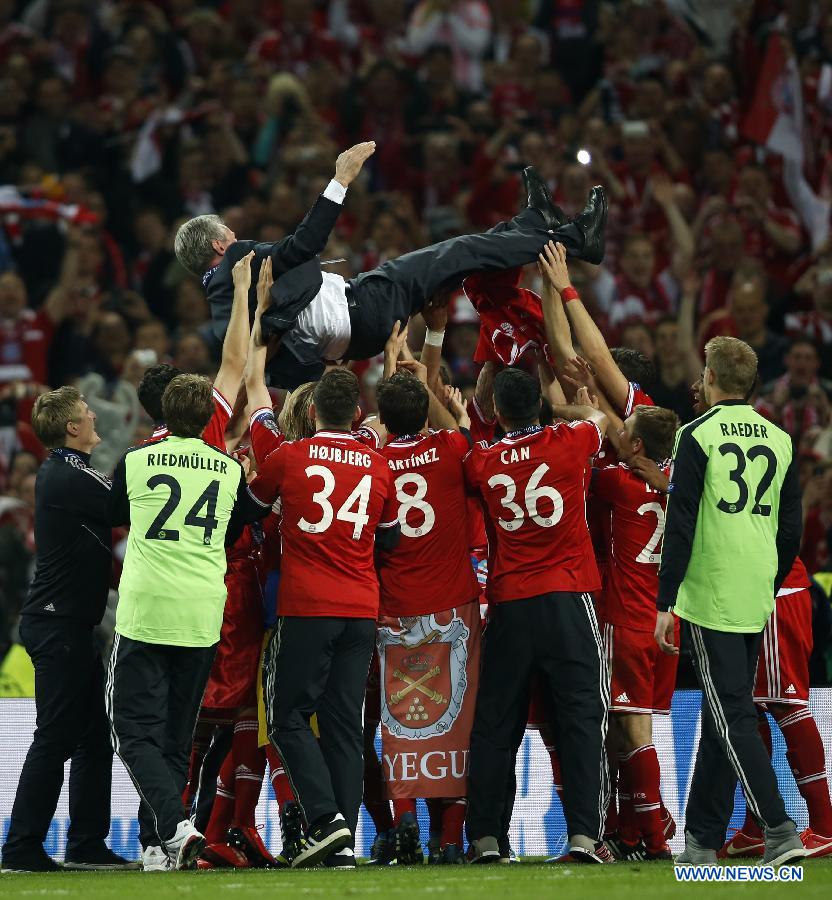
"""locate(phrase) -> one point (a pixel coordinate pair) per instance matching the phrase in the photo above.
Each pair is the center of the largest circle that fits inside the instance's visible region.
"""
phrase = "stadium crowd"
(124, 120)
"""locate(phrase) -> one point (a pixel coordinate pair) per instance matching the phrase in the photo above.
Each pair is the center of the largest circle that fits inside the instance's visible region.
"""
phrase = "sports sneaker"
(98, 857)
(35, 860)
(322, 839)
(434, 848)
(341, 859)
(452, 855)
(223, 856)
(783, 845)
(742, 844)
(184, 847)
(664, 854)
(668, 824)
(507, 854)
(291, 831)
(154, 859)
(623, 850)
(484, 850)
(383, 851)
(583, 849)
(408, 846)
(694, 853)
(817, 844)
(250, 843)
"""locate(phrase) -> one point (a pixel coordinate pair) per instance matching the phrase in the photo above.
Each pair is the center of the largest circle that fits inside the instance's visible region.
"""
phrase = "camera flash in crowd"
(584, 157)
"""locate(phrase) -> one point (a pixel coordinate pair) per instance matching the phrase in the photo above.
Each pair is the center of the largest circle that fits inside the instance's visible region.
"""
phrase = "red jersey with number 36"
(335, 493)
(632, 582)
(430, 569)
(534, 488)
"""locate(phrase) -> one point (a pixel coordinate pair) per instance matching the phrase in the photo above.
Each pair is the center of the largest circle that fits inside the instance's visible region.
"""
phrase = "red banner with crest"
(429, 672)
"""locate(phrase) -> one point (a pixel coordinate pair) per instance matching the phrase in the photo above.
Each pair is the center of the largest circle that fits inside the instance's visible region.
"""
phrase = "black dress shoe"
(30, 861)
(540, 198)
(592, 222)
(98, 857)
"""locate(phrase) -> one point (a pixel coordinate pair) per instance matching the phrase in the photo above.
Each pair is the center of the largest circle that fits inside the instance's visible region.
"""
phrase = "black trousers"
(554, 636)
(730, 746)
(320, 665)
(400, 287)
(153, 696)
(71, 724)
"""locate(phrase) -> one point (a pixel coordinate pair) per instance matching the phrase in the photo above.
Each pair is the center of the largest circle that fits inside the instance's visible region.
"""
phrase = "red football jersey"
(334, 493)
(796, 580)
(430, 570)
(632, 581)
(214, 433)
(266, 436)
(534, 486)
(482, 429)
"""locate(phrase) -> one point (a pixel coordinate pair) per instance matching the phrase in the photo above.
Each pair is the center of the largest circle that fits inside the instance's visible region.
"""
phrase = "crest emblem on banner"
(422, 666)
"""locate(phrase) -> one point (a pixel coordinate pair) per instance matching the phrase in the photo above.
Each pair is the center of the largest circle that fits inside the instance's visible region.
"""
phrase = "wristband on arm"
(568, 294)
(434, 338)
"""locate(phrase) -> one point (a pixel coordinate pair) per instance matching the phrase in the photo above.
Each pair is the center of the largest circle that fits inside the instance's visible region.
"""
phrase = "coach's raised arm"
(209, 248)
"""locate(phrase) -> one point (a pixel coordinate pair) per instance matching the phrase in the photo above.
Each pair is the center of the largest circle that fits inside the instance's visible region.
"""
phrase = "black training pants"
(554, 636)
(730, 746)
(399, 288)
(153, 697)
(71, 724)
(319, 665)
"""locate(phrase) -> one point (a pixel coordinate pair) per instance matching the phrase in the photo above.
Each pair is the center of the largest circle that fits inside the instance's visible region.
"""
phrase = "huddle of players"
(520, 490)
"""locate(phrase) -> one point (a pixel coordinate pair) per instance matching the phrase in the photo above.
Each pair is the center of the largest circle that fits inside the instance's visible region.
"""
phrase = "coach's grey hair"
(192, 243)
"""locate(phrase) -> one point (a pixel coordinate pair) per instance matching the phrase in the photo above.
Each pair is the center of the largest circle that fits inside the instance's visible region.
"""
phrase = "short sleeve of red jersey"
(636, 397)
(368, 436)
(456, 441)
(266, 486)
(390, 511)
(265, 435)
(605, 483)
(214, 433)
(481, 428)
(587, 437)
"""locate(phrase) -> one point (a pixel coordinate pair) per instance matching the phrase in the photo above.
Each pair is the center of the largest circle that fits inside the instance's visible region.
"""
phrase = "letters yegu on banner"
(429, 667)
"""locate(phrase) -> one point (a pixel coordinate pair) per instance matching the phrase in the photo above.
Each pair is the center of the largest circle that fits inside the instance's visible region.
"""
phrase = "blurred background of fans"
(709, 125)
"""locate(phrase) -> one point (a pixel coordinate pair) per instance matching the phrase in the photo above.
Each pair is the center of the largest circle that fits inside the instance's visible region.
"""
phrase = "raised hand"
(241, 273)
(264, 284)
(455, 403)
(584, 398)
(415, 368)
(349, 163)
(578, 373)
(553, 263)
(648, 471)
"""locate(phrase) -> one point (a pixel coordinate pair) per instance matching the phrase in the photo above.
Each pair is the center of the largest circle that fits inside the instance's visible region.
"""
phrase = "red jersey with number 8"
(534, 486)
(430, 570)
(632, 583)
(335, 493)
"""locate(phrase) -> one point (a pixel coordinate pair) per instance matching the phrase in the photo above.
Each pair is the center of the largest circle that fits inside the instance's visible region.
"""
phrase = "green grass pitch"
(525, 881)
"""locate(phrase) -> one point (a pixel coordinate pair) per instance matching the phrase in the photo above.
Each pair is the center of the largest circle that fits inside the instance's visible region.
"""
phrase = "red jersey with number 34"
(430, 569)
(334, 492)
(534, 488)
(632, 582)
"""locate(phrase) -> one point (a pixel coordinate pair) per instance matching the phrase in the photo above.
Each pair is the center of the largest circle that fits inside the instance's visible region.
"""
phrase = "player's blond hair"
(294, 421)
(733, 363)
(52, 412)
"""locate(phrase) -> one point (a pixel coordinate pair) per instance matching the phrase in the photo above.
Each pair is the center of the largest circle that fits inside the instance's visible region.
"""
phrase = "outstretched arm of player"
(235, 344)
(549, 383)
(578, 373)
(584, 409)
(255, 368)
(584, 330)
(558, 332)
(484, 391)
(435, 315)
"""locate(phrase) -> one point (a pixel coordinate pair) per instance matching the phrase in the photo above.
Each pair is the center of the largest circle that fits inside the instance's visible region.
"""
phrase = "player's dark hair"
(336, 398)
(635, 366)
(402, 403)
(187, 405)
(657, 429)
(152, 386)
(517, 397)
